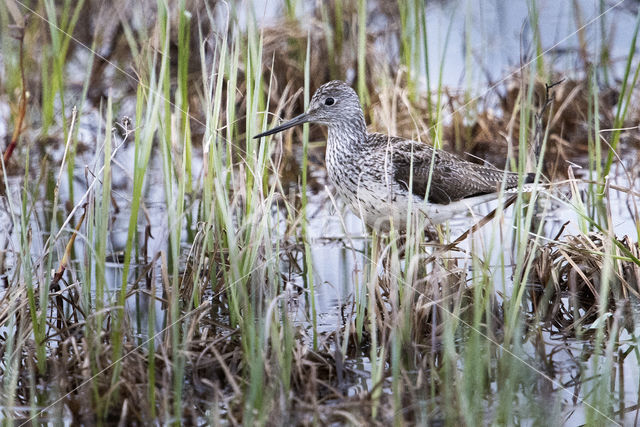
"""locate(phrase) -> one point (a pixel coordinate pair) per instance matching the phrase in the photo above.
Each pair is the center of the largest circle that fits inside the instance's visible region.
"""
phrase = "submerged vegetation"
(159, 265)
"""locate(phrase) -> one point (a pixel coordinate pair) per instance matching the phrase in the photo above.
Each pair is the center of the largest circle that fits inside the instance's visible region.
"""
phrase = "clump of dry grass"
(567, 278)
(494, 130)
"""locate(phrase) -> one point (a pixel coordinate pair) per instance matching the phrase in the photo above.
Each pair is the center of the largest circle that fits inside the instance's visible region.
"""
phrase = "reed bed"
(159, 265)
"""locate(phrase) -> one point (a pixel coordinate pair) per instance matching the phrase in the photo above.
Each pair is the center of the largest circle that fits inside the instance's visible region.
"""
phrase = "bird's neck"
(348, 136)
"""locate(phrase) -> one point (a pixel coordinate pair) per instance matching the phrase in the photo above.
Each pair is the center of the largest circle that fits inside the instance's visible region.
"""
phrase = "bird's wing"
(452, 178)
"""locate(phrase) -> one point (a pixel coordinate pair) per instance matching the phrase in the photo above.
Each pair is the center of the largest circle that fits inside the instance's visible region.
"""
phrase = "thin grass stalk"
(12, 78)
(624, 99)
(218, 178)
(598, 412)
(151, 352)
(376, 353)
(45, 285)
(449, 361)
(211, 159)
(290, 9)
(270, 274)
(329, 37)
(593, 121)
(149, 99)
(523, 143)
(212, 88)
(402, 326)
(338, 28)
(11, 361)
(363, 92)
(35, 308)
(13, 346)
(254, 97)
(362, 298)
(232, 82)
(360, 293)
(604, 59)
(97, 226)
(175, 203)
(71, 163)
(166, 135)
(469, 100)
(437, 126)
(282, 341)
(402, 309)
(51, 80)
(102, 220)
(308, 261)
(396, 380)
(133, 36)
(60, 46)
(415, 46)
(407, 38)
(61, 35)
(89, 277)
(425, 55)
(48, 92)
(253, 235)
(477, 347)
(509, 365)
(182, 103)
(534, 21)
(342, 340)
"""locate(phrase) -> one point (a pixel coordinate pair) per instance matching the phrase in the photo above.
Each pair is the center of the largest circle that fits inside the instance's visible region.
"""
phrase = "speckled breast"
(370, 192)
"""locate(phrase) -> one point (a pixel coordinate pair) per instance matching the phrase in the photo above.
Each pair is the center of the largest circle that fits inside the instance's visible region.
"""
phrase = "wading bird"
(384, 177)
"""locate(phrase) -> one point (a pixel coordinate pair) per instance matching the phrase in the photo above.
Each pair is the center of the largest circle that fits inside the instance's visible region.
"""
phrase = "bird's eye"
(329, 101)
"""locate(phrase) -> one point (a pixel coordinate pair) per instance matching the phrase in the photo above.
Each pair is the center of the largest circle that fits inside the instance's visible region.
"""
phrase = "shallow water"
(339, 242)
(479, 43)
(498, 35)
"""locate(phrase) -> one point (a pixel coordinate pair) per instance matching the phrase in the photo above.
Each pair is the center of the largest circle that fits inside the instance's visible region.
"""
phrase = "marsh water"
(465, 35)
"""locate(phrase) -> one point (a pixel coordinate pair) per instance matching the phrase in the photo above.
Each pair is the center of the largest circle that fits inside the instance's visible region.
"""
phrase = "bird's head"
(334, 103)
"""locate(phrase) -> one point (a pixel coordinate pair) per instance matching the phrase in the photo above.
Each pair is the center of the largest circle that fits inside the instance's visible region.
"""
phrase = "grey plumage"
(382, 177)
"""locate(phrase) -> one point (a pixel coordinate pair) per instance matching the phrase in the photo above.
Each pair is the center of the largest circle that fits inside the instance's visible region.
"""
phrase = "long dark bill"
(302, 118)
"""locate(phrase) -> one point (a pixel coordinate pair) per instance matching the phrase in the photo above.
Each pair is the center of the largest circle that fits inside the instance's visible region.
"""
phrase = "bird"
(386, 179)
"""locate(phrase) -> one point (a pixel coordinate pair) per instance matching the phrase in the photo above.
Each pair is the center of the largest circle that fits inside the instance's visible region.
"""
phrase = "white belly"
(379, 212)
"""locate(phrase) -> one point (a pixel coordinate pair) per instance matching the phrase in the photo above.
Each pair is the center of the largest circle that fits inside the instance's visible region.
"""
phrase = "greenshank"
(383, 178)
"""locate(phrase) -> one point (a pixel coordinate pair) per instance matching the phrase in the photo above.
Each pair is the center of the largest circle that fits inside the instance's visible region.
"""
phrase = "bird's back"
(447, 177)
